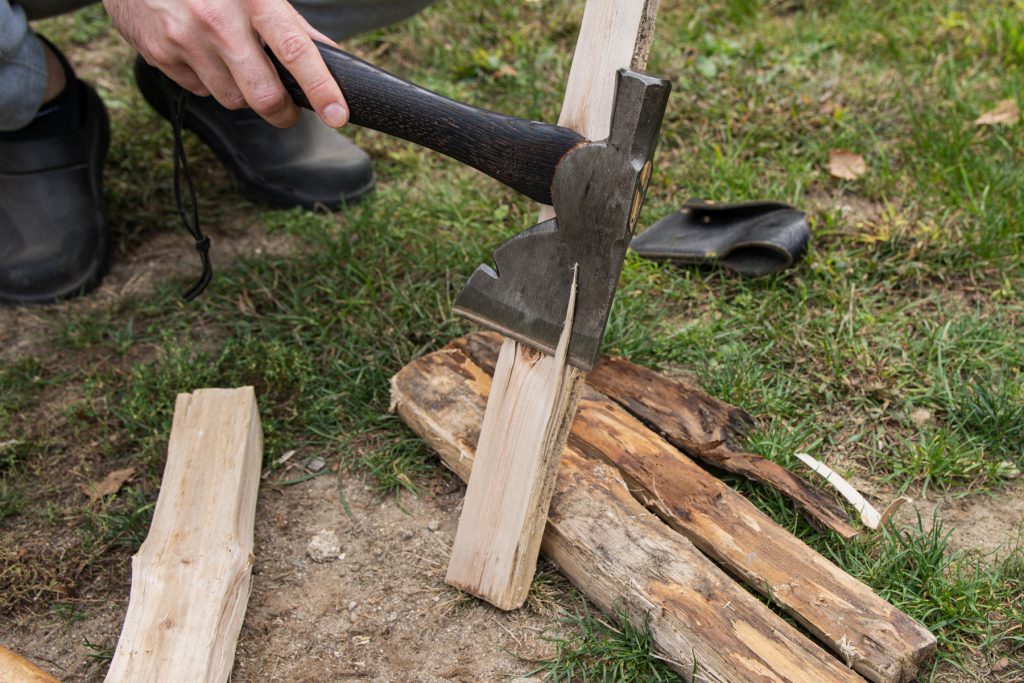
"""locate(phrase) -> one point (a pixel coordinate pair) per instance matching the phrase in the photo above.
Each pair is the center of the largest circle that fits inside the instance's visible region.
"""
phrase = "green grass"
(973, 602)
(597, 649)
(966, 600)
(910, 298)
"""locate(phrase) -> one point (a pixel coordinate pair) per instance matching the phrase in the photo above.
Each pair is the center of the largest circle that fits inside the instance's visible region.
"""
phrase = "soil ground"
(896, 307)
(379, 612)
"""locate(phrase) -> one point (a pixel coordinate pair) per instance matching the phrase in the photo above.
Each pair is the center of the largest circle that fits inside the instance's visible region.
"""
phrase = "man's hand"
(213, 47)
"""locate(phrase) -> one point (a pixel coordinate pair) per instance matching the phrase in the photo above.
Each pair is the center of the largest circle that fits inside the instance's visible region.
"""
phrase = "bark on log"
(616, 551)
(702, 426)
(878, 640)
(191, 577)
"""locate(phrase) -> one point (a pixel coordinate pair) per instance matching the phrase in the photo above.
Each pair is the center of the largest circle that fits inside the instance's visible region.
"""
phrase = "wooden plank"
(618, 553)
(878, 640)
(701, 426)
(16, 669)
(613, 34)
(191, 577)
(494, 554)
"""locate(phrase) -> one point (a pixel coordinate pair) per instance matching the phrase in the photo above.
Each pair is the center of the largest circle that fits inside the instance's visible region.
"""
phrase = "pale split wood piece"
(614, 34)
(494, 555)
(16, 669)
(869, 516)
(617, 553)
(878, 640)
(192, 575)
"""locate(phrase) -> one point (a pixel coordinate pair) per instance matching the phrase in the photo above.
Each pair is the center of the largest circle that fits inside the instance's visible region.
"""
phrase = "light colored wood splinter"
(869, 516)
(191, 577)
(614, 34)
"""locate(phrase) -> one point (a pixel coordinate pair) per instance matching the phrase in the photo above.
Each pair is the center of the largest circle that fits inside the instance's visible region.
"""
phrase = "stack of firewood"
(639, 526)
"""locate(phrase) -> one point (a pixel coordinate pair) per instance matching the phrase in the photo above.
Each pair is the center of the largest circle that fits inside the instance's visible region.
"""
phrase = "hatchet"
(595, 187)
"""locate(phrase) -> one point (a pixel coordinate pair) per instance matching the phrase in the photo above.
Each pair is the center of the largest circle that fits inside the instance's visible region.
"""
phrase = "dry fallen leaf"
(506, 71)
(1006, 112)
(842, 163)
(111, 483)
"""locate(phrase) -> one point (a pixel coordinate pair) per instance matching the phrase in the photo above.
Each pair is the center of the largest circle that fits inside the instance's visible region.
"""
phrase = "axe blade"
(597, 193)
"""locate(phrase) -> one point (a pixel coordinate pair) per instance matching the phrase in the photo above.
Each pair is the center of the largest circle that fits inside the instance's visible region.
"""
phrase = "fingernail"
(335, 115)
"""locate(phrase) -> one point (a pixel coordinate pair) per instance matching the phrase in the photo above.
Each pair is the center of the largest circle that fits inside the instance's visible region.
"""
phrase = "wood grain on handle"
(519, 153)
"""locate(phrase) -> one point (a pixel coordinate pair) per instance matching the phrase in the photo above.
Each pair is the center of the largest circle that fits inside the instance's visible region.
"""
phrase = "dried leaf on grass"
(842, 163)
(1005, 113)
(506, 71)
(110, 484)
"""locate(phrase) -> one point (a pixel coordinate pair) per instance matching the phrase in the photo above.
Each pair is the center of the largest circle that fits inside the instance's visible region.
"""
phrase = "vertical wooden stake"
(496, 546)
(533, 398)
(191, 577)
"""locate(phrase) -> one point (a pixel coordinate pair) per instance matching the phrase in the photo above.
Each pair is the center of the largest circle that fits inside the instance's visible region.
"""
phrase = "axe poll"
(596, 188)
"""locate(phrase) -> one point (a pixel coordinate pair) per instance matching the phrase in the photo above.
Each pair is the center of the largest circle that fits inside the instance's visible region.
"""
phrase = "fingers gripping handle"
(521, 154)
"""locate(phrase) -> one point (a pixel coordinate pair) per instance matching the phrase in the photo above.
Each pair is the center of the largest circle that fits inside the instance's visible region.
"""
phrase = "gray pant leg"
(22, 59)
(22, 69)
(345, 18)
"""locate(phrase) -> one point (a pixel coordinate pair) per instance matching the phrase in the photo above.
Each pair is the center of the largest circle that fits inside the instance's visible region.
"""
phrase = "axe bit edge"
(597, 193)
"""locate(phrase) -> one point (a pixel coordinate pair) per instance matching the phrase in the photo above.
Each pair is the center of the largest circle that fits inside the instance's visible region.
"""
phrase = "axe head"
(597, 193)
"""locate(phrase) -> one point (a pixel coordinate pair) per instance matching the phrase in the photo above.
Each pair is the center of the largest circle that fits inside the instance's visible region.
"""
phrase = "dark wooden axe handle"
(519, 153)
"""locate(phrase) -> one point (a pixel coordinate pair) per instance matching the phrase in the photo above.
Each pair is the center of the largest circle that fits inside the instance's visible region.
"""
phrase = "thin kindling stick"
(869, 516)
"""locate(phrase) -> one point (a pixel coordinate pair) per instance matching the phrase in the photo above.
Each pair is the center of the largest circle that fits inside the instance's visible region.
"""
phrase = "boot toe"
(54, 234)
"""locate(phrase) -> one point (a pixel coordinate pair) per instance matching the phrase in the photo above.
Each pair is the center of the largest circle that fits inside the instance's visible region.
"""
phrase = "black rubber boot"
(54, 234)
(306, 165)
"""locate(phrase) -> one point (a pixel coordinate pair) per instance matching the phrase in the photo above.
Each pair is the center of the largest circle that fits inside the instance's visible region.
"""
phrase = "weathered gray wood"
(701, 426)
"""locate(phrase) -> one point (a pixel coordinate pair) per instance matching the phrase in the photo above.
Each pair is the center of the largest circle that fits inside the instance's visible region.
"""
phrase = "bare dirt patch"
(988, 522)
(378, 612)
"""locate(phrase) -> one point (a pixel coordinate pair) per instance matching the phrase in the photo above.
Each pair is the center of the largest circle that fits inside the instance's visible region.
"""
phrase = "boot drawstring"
(189, 218)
